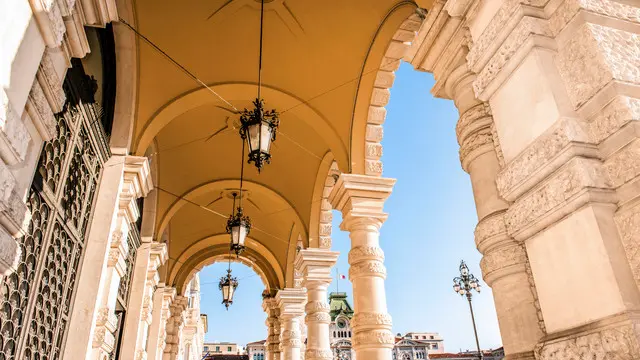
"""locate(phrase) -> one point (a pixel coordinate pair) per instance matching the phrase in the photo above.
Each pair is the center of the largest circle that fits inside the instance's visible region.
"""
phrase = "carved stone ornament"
(489, 227)
(319, 317)
(619, 343)
(368, 268)
(290, 334)
(577, 175)
(628, 222)
(541, 152)
(501, 258)
(319, 354)
(360, 253)
(482, 139)
(464, 126)
(594, 56)
(316, 306)
(614, 9)
(370, 318)
(292, 343)
(528, 27)
(384, 337)
(612, 117)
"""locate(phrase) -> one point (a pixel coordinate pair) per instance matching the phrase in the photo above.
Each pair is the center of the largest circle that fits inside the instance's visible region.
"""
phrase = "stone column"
(291, 303)
(92, 320)
(360, 198)
(139, 312)
(106, 320)
(174, 329)
(562, 81)
(162, 299)
(272, 345)
(315, 265)
(505, 265)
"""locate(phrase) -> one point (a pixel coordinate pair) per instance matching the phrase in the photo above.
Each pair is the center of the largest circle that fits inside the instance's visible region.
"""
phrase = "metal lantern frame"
(463, 285)
(232, 283)
(263, 125)
(235, 221)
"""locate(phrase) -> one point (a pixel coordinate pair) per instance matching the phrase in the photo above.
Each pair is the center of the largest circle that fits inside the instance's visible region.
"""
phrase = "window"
(206, 348)
(431, 337)
(349, 333)
(334, 334)
(229, 348)
(424, 337)
(217, 348)
(434, 346)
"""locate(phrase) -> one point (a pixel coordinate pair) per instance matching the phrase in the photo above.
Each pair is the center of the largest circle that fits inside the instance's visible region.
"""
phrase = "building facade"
(340, 327)
(256, 350)
(221, 348)
(117, 116)
(433, 341)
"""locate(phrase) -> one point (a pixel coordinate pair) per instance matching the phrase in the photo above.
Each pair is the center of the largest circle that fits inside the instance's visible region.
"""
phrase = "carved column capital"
(361, 198)
(291, 302)
(315, 265)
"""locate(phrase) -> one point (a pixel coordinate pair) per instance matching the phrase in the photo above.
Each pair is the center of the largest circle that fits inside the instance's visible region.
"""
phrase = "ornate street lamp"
(228, 285)
(238, 226)
(463, 285)
(259, 126)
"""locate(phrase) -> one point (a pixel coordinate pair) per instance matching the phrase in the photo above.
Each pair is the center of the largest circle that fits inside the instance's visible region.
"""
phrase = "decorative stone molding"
(523, 36)
(318, 354)
(468, 122)
(498, 29)
(385, 76)
(14, 136)
(570, 8)
(316, 306)
(10, 253)
(617, 113)
(366, 319)
(624, 165)
(615, 341)
(475, 145)
(488, 228)
(40, 112)
(319, 317)
(374, 337)
(50, 22)
(360, 196)
(595, 56)
(368, 268)
(564, 140)
(581, 180)
(51, 83)
(361, 253)
(500, 259)
(628, 221)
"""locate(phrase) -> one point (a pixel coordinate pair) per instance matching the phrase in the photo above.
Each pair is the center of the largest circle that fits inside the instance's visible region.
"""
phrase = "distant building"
(416, 345)
(434, 342)
(340, 326)
(256, 350)
(497, 354)
(220, 348)
(225, 357)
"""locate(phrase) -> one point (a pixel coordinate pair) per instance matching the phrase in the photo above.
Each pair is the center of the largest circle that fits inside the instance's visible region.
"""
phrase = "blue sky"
(430, 229)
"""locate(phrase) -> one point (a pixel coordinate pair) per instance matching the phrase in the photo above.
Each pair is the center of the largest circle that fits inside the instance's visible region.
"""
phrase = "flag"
(342, 277)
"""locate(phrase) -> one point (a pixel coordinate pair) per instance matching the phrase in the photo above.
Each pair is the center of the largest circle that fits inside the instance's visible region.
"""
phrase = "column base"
(614, 337)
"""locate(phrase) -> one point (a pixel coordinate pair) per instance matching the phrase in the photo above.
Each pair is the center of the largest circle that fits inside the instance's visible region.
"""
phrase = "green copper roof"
(338, 304)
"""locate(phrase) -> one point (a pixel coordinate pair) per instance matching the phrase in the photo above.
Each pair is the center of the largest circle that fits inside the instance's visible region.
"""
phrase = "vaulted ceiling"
(317, 57)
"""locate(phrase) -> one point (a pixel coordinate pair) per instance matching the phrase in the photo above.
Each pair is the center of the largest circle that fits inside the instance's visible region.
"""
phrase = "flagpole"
(337, 280)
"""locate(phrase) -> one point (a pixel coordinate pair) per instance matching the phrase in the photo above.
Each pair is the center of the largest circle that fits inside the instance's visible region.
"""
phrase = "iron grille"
(36, 300)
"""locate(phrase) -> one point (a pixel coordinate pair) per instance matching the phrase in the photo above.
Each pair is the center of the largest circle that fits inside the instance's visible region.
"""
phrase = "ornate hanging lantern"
(228, 285)
(258, 127)
(238, 226)
(259, 130)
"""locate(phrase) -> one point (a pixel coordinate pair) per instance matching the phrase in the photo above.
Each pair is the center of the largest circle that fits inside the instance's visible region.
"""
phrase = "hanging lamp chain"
(260, 55)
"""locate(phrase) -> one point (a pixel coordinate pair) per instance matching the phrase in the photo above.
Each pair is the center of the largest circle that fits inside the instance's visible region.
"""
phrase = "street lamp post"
(463, 285)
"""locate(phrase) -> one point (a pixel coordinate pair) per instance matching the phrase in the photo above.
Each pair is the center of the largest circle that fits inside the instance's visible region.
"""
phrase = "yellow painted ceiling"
(314, 53)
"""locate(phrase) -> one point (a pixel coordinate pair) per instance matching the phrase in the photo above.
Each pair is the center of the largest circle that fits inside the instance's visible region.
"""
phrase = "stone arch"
(224, 183)
(321, 215)
(203, 96)
(126, 81)
(215, 248)
(369, 108)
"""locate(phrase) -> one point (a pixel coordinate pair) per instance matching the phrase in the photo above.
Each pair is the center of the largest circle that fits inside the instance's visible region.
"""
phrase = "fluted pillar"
(360, 198)
(315, 265)
(505, 265)
(162, 300)
(272, 345)
(291, 303)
